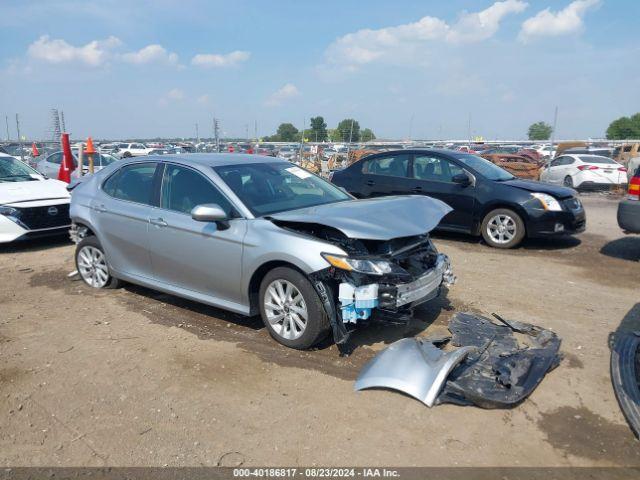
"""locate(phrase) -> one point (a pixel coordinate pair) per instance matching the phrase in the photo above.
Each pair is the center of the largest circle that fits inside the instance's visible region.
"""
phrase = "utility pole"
(216, 133)
(197, 134)
(6, 120)
(304, 120)
(255, 129)
(64, 128)
(19, 137)
(553, 133)
(350, 138)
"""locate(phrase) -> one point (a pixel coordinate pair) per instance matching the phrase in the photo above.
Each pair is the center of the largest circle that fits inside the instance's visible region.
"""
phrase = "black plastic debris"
(510, 361)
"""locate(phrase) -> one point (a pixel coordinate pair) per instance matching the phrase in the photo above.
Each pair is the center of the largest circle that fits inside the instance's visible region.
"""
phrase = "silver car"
(50, 165)
(255, 234)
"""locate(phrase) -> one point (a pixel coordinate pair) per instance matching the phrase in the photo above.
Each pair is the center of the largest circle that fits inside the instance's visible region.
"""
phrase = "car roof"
(213, 159)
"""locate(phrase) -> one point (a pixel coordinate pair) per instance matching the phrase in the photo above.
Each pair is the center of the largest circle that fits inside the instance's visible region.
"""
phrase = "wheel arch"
(519, 209)
(253, 287)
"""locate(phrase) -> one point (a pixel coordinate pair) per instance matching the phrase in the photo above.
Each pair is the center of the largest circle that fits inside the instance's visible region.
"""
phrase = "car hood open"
(381, 218)
(535, 186)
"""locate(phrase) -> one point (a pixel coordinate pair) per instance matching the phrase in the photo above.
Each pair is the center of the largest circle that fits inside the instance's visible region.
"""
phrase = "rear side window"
(434, 169)
(395, 166)
(133, 183)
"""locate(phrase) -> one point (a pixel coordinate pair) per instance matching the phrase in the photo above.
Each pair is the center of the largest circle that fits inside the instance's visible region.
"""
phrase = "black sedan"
(486, 199)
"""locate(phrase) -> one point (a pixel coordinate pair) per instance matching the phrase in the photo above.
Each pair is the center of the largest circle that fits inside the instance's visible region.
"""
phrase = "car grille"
(49, 216)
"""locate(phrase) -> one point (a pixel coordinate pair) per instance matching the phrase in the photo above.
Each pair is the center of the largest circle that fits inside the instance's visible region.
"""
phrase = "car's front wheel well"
(494, 206)
(256, 279)
(82, 230)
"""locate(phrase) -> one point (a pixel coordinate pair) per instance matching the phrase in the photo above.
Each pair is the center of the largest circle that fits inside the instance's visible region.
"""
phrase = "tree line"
(347, 130)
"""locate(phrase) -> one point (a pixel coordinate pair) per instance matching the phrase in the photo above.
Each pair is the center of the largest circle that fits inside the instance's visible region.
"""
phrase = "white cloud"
(287, 92)
(405, 43)
(58, 51)
(151, 54)
(204, 99)
(548, 23)
(175, 94)
(220, 60)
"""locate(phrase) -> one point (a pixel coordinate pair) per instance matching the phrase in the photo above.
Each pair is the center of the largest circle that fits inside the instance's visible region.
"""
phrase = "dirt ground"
(133, 377)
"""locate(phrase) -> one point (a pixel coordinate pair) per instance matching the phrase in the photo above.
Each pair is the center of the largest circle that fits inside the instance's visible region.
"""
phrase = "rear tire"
(286, 297)
(568, 182)
(503, 228)
(91, 263)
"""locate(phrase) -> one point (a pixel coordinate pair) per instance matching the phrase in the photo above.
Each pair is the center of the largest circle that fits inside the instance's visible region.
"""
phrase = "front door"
(433, 176)
(201, 257)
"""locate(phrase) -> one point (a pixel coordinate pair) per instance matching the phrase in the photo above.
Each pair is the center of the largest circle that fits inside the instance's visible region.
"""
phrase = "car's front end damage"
(377, 279)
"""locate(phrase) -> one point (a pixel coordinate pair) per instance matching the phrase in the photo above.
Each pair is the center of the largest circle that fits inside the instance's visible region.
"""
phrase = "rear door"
(432, 175)
(50, 166)
(122, 211)
(386, 175)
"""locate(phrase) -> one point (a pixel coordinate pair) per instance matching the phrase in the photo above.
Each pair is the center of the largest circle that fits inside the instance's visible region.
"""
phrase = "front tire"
(503, 228)
(291, 309)
(91, 263)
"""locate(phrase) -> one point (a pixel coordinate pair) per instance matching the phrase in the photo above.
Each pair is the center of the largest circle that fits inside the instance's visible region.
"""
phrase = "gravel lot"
(134, 377)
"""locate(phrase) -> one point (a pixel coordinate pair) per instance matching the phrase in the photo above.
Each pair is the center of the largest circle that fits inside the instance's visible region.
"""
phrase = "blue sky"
(125, 69)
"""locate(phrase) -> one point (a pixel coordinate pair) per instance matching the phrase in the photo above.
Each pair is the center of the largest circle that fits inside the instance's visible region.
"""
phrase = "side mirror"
(208, 212)
(461, 179)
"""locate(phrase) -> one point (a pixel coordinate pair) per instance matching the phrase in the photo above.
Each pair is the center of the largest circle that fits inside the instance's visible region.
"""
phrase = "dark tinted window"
(183, 189)
(55, 158)
(432, 168)
(133, 183)
(392, 166)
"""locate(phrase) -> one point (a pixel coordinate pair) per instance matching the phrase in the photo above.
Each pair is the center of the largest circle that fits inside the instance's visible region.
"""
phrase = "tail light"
(622, 169)
(634, 188)
(587, 167)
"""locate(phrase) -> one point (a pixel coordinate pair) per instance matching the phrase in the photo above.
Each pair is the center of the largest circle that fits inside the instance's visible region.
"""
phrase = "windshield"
(267, 188)
(12, 170)
(595, 159)
(484, 167)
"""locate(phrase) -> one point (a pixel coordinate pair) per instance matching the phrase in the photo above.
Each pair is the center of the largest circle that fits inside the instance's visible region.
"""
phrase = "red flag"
(66, 166)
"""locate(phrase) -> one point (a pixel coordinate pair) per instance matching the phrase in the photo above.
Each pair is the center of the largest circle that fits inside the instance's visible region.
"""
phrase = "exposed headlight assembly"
(548, 202)
(367, 266)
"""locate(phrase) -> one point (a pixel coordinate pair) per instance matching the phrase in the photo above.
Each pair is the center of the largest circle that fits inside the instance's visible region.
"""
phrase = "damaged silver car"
(253, 235)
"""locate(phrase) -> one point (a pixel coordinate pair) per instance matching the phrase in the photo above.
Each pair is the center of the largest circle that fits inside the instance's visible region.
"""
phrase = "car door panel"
(121, 212)
(385, 175)
(204, 257)
(432, 177)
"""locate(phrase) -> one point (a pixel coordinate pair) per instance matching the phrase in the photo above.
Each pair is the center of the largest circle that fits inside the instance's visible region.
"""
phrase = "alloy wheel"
(286, 309)
(501, 228)
(92, 266)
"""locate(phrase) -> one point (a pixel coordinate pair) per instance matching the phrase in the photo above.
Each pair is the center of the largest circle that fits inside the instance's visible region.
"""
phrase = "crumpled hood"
(15, 192)
(381, 218)
(535, 186)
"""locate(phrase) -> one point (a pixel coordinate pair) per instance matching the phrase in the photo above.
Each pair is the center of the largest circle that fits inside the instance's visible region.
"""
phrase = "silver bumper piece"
(426, 287)
(413, 366)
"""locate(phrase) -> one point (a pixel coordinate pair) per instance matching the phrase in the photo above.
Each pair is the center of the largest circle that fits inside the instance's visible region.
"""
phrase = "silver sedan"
(254, 234)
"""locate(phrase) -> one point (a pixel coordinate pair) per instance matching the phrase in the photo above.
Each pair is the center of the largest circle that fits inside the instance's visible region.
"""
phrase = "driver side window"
(184, 188)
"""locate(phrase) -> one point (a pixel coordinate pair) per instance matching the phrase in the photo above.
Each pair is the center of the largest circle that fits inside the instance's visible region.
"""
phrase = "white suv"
(126, 150)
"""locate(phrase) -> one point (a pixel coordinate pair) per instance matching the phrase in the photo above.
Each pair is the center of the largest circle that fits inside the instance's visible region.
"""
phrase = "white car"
(584, 171)
(126, 150)
(30, 204)
(545, 151)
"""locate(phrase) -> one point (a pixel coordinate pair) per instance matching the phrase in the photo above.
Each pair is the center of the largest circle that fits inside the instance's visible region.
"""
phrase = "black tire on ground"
(318, 325)
(568, 181)
(92, 241)
(126, 155)
(519, 224)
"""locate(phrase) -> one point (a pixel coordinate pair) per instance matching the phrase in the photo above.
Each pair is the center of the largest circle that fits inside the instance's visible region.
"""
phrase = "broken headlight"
(363, 265)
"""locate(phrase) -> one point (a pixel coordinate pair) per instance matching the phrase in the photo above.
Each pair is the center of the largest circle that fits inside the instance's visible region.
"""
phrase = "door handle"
(370, 182)
(100, 208)
(159, 222)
